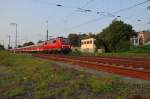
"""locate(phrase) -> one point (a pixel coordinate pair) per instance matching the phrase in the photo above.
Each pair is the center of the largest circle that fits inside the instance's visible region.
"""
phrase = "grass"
(125, 54)
(23, 76)
(134, 51)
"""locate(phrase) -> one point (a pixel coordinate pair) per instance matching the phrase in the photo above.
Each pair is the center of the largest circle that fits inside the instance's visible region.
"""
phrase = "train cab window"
(64, 40)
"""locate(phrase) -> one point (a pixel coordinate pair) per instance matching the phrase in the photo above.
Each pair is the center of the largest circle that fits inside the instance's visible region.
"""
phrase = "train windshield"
(65, 41)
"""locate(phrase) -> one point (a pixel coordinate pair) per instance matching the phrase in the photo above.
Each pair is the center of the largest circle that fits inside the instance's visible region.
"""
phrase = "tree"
(91, 35)
(82, 36)
(74, 39)
(2, 47)
(19, 46)
(28, 43)
(40, 41)
(115, 37)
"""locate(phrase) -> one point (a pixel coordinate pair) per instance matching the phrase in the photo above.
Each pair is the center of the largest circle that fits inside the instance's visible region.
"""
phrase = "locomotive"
(56, 45)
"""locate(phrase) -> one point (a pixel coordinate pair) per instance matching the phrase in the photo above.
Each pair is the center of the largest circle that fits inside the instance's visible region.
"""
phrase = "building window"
(87, 42)
(82, 43)
(90, 41)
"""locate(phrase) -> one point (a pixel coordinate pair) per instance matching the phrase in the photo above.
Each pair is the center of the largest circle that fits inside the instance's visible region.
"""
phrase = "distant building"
(142, 38)
(88, 45)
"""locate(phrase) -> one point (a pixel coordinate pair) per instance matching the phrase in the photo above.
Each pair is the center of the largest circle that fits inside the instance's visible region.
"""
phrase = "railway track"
(130, 63)
(127, 67)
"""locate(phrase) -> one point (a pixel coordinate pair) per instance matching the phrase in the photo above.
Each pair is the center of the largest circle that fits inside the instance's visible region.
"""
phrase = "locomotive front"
(65, 45)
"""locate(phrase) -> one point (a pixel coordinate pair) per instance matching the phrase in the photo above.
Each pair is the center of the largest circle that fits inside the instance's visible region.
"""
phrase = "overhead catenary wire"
(83, 10)
(115, 12)
(78, 9)
(65, 6)
(69, 15)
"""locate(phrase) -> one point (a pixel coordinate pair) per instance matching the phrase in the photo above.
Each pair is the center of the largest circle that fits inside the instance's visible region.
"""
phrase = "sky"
(69, 17)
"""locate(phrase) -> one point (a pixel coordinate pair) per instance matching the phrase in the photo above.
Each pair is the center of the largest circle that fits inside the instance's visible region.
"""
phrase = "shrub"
(76, 53)
(140, 49)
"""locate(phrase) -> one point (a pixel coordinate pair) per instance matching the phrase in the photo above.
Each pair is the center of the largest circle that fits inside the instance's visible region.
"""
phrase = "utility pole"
(47, 31)
(16, 36)
(79, 39)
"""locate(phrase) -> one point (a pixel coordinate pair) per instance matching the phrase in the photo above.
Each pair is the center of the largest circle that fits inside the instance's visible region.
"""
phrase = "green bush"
(76, 53)
(140, 49)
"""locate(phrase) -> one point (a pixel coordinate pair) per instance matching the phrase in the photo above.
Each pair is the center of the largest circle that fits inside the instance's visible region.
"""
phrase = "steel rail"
(130, 72)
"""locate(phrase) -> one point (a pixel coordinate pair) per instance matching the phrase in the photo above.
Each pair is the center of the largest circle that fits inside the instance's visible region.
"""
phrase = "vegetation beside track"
(133, 51)
(21, 75)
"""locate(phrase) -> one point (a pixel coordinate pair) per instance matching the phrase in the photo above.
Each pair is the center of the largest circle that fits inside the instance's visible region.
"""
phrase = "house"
(88, 45)
(142, 38)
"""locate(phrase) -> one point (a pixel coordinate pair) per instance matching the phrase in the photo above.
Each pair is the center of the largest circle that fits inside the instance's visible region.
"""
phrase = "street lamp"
(15, 24)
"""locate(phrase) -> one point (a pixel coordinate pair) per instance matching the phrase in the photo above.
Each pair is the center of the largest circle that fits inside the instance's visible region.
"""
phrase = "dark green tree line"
(115, 37)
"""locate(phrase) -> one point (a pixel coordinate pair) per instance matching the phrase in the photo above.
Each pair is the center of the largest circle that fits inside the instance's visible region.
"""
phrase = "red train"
(57, 45)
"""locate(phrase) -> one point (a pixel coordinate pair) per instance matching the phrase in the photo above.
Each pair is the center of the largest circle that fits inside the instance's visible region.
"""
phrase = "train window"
(54, 41)
(45, 43)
